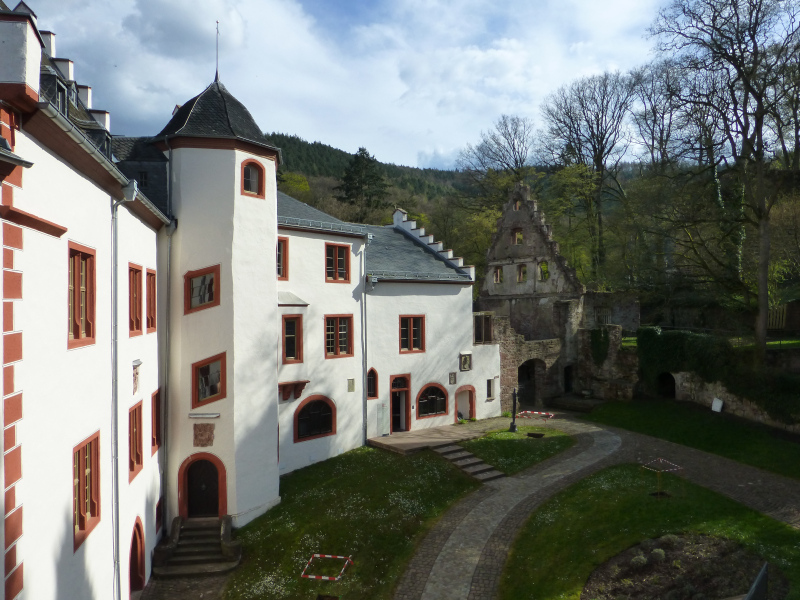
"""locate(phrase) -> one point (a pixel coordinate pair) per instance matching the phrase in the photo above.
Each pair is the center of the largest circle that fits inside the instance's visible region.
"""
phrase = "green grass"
(599, 517)
(629, 342)
(772, 345)
(698, 427)
(368, 503)
(512, 452)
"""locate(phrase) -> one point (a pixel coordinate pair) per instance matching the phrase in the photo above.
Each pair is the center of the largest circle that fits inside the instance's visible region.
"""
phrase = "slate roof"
(136, 148)
(293, 213)
(215, 113)
(395, 254)
(392, 253)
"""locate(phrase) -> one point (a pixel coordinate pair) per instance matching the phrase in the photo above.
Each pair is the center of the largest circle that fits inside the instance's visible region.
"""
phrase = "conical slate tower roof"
(215, 113)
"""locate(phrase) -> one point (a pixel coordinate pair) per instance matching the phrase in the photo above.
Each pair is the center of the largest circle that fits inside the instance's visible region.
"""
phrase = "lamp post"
(513, 427)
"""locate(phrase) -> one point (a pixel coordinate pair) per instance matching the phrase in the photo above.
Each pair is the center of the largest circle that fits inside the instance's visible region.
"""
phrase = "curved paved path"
(463, 556)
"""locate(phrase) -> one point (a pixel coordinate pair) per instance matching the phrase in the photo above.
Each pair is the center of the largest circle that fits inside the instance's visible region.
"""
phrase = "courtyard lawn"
(599, 517)
(512, 452)
(698, 427)
(368, 503)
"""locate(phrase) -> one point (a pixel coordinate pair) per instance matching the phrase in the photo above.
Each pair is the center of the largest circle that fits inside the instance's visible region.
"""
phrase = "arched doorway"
(136, 569)
(465, 403)
(665, 384)
(202, 487)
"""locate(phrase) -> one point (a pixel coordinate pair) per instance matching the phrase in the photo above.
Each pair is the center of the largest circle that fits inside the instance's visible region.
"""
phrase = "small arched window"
(315, 417)
(522, 273)
(432, 400)
(372, 384)
(252, 178)
(498, 274)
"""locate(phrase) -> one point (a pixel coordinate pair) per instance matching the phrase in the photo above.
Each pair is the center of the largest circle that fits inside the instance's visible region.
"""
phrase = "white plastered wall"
(448, 333)
(67, 393)
(327, 376)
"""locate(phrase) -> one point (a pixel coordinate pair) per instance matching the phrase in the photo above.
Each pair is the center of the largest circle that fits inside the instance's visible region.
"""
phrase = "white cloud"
(413, 80)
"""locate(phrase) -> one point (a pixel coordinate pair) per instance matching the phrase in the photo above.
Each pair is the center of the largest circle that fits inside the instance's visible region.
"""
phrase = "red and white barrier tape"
(532, 414)
(348, 560)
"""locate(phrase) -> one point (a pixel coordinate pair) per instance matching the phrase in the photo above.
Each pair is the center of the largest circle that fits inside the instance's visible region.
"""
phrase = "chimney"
(85, 94)
(21, 58)
(49, 39)
(103, 117)
(67, 68)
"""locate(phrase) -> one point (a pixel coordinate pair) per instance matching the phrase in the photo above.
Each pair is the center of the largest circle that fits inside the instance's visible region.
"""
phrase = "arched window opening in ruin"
(516, 237)
(517, 204)
(666, 386)
(522, 273)
(498, 274)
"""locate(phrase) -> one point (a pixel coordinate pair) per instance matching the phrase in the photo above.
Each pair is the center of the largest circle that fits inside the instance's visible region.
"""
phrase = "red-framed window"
(155, 418)
(134, 299)
(253, 178)
(432, 401)
(152, 305)
(135, 453)
(283, 259)
(85, 488)
(412, 333)
(81, 296)
(338, 336)
(315, 417)
(372, 384)
(200, 289)
(209, 380)
(292, 339)
(337, 263)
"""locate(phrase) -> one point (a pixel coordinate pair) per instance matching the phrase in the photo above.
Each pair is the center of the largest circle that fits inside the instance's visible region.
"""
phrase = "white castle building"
(189, 374)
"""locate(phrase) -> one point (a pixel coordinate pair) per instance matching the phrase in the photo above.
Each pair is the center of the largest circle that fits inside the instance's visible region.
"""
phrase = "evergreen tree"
(363, 184)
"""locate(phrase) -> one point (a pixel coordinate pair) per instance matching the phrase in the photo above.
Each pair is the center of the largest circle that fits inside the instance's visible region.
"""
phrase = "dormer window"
(142, 179)
(252, 179)
(61, 98)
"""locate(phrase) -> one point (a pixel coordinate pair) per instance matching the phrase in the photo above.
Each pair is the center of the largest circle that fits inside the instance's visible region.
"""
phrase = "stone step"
(194, 570)
(489, 475)
(198, 541)
(195, 531)
(197, 559)
(209, 523)
(477, 468)
(447, 449)
(466, 462)
(458, 455)
(190, 550)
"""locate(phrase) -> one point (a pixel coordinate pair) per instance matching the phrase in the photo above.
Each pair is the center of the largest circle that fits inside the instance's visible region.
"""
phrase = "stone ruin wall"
(617, 377)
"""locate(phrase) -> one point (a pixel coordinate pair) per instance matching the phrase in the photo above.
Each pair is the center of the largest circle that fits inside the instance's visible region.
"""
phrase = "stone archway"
(665, 385)
(531, 384)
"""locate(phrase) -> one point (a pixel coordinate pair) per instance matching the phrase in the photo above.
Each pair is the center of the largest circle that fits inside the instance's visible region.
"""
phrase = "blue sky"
(411, 80)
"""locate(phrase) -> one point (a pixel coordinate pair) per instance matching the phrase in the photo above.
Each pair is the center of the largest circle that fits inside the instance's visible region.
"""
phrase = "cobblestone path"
(185, 588)
(463, 556)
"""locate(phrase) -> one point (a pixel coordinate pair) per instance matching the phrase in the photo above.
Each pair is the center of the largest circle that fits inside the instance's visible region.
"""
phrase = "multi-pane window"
(209, 380)
(81, 302)
(283, 258)
(372, 384)
(201, 289)
(134, 299)
(135, 454)
(522, 273)
(315, 419)
(337, 263)
(516, 237)
(432, 401)
(152, 307)
(253, 179)
(142, 179)
(497, 275)
(292, 339)
(412, 334)
(338, 336)
(482, 328)
(155, 417)
(85, 488)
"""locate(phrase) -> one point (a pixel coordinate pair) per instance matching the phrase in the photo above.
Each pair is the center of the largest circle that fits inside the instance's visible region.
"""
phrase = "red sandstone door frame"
(471, 394)
(183, 492)
(136, 559)
(407, 391)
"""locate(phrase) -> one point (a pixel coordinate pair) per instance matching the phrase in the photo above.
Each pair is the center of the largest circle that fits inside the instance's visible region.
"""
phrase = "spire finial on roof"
(216, 77)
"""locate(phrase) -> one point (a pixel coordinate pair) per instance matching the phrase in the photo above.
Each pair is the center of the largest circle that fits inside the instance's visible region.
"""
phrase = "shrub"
(639, 561)
(658, 555)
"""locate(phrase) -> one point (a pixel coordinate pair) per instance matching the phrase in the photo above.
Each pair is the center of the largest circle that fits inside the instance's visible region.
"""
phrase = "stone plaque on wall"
(203, 435)
(453, 378)
(465, 362)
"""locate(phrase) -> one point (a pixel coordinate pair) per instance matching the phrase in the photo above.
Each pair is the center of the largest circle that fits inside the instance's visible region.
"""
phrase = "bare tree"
(585, 125)
(499, 160)
(747, 45)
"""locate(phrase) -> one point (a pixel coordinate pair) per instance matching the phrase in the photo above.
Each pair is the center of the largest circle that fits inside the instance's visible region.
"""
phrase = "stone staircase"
(197, 547)
(468, 462)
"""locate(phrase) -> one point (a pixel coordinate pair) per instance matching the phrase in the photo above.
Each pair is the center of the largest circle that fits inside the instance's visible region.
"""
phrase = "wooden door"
(203, 489)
